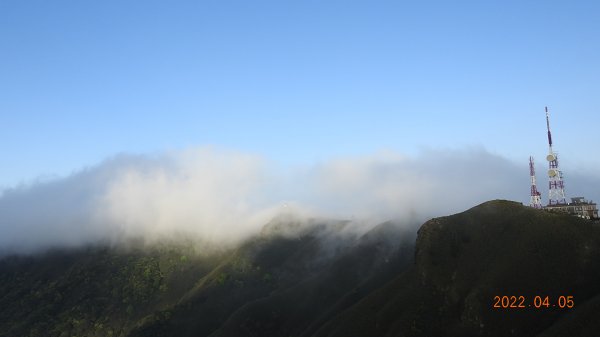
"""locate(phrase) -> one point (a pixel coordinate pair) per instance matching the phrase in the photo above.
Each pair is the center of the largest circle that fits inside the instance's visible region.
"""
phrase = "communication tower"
(536, 199)
(556, 193)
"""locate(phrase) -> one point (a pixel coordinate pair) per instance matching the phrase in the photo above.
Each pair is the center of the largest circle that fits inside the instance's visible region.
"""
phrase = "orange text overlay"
(538, 302)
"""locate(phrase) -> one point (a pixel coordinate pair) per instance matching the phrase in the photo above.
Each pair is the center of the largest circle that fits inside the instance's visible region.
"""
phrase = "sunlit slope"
(95, 291)
(303, 271)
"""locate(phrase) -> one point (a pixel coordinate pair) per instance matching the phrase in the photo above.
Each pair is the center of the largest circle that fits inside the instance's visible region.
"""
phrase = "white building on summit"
(578, 207)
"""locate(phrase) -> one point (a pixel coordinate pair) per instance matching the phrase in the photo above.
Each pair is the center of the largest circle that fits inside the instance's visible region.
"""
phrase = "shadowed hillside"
(321, 278)
(464, 260)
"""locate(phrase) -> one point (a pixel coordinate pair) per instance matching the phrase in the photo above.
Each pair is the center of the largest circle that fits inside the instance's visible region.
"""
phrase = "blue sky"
(295, 81)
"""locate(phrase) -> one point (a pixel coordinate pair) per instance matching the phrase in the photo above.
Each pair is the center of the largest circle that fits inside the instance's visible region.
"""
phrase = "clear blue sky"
(295, 81)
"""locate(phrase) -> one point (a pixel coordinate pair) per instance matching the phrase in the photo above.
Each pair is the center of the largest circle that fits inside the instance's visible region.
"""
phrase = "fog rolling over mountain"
(224, 196)
(302, 277)
(211, 242)
(310, 269)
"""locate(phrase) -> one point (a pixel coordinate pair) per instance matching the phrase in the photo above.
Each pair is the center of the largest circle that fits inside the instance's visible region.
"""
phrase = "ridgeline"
(311, 278)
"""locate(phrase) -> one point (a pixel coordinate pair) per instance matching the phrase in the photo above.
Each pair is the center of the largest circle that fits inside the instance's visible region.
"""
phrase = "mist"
(225, 196)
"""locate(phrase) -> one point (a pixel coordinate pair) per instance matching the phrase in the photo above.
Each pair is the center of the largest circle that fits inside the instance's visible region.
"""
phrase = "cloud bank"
(224, 196)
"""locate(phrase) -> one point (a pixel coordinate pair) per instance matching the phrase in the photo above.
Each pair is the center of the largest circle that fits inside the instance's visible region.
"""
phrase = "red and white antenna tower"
(556, 194)
(536, 199)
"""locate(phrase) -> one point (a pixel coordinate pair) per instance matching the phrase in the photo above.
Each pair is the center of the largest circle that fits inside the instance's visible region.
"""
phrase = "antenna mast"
(536, 199)
(556, 194)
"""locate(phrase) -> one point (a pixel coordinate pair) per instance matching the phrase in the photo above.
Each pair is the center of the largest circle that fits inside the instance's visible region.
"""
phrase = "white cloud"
(226, 195)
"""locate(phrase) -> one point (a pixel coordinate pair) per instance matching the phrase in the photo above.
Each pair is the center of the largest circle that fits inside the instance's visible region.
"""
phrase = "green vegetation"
(90, 292)
(463, 261)
(316, 282)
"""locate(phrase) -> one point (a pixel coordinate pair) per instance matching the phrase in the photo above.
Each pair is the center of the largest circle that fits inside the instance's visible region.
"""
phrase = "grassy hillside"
(281, 283)
(187, 290)
(320, 278)
(464, 260)
(96, 291)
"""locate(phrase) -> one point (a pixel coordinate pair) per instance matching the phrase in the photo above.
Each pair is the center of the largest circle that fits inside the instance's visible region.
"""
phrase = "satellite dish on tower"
(551, 157)
(552, 173)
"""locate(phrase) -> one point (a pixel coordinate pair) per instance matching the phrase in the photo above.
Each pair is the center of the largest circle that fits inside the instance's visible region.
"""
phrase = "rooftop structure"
(578, 206)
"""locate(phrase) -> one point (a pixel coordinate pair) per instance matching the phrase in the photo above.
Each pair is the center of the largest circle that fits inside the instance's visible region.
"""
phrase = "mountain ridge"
(318, 278)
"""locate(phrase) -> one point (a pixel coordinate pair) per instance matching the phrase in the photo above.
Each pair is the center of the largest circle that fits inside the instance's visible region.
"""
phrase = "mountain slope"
(94, 291)
(499, 248)
(321, 278)
(301, 309)
(286, 282)
(188, 289)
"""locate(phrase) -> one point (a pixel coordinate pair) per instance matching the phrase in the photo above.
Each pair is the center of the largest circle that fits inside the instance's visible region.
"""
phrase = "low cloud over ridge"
(225, 195)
